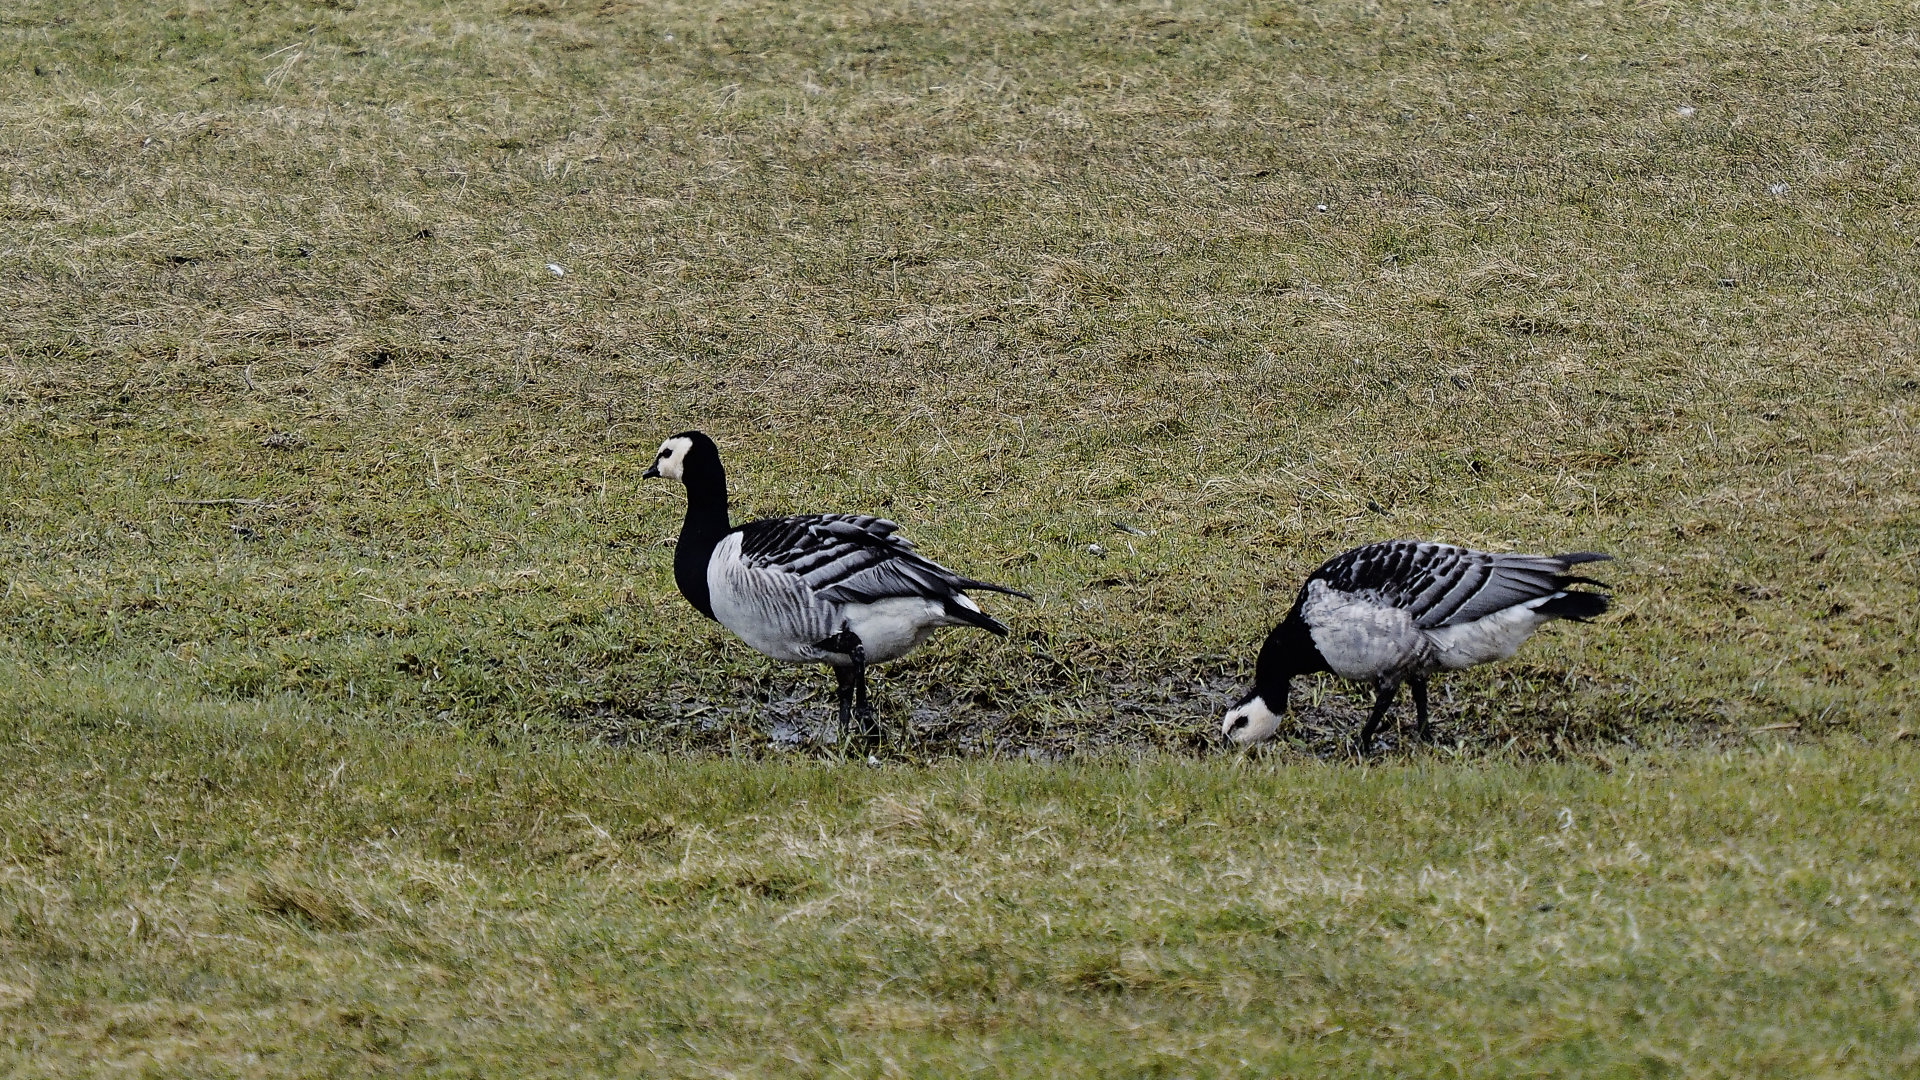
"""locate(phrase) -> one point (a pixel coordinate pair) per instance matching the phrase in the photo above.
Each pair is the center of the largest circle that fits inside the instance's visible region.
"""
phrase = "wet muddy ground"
(797, 717)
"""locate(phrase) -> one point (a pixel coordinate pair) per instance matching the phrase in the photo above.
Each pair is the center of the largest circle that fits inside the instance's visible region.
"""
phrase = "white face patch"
(1250, 723)
(672, 461)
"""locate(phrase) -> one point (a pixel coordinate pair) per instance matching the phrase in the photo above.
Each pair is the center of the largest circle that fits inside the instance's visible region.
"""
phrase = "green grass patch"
(237, 893)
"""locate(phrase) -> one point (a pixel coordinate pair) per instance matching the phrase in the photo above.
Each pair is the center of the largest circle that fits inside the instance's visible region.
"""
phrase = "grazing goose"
(1399, 610)
(837, 589)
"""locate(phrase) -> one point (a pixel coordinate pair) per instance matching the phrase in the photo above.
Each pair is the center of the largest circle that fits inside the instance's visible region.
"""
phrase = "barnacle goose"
(837, 589)
(1399, 610)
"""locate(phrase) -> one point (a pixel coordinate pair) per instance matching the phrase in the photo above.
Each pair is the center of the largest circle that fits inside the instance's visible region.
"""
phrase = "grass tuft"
(312, 907)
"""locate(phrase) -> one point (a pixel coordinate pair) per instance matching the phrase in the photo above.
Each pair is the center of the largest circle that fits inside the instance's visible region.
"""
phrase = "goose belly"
(1358, 638)
(893, 627)
(1488, 638)
(773, 612)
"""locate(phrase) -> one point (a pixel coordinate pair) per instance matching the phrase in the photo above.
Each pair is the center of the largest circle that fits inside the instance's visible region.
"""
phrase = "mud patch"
(796, 716)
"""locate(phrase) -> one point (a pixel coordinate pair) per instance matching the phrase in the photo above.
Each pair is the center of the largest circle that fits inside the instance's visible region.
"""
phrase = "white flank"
(894, 627)
(778, 614)
(1491, 637)
(773, 612)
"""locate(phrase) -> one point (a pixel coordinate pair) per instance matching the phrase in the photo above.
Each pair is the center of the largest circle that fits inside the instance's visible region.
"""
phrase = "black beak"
(653, 470)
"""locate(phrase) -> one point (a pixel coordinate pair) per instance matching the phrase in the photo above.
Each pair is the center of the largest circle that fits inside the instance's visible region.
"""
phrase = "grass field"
(352, 722)
(237, 898)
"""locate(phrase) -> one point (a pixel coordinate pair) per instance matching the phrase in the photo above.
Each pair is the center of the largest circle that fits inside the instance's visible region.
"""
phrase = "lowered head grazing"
(1289, 651)
(1397, 612)
(1250, 721)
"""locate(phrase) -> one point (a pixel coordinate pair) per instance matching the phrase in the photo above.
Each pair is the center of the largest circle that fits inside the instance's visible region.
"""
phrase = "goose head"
(1289, 650)
(1252, 720)
(688, 457)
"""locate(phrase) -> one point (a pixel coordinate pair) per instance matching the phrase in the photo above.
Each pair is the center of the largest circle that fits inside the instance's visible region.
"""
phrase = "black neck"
(706, 524)
(1289, 651)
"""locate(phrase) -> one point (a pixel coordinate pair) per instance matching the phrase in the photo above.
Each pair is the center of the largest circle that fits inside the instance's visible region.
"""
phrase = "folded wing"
(1442, 585)
(851, 559)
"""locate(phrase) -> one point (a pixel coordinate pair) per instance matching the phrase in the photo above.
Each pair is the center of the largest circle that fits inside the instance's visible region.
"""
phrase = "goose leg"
(847, 678)
(1381, 703)
(863, 708)
(1421, 731)
(852, 677)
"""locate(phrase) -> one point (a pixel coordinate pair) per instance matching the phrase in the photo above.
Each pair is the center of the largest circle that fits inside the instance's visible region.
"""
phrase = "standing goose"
(1398, 611)
(835, 589)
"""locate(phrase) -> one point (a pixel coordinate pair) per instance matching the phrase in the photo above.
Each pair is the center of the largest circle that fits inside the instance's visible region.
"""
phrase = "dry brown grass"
(1582, 280)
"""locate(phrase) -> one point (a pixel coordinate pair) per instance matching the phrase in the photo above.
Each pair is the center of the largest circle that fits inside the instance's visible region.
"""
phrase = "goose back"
(786, 585)
(1441, 585)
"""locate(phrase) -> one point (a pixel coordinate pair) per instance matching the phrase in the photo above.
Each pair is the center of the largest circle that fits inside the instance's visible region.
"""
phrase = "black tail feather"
(1578, 606)
(981, 619)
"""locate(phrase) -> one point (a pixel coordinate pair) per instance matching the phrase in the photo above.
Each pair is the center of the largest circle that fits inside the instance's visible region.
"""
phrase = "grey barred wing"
(1497, 582)
(1440, 584)
(1393, 573)
(845, 558)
